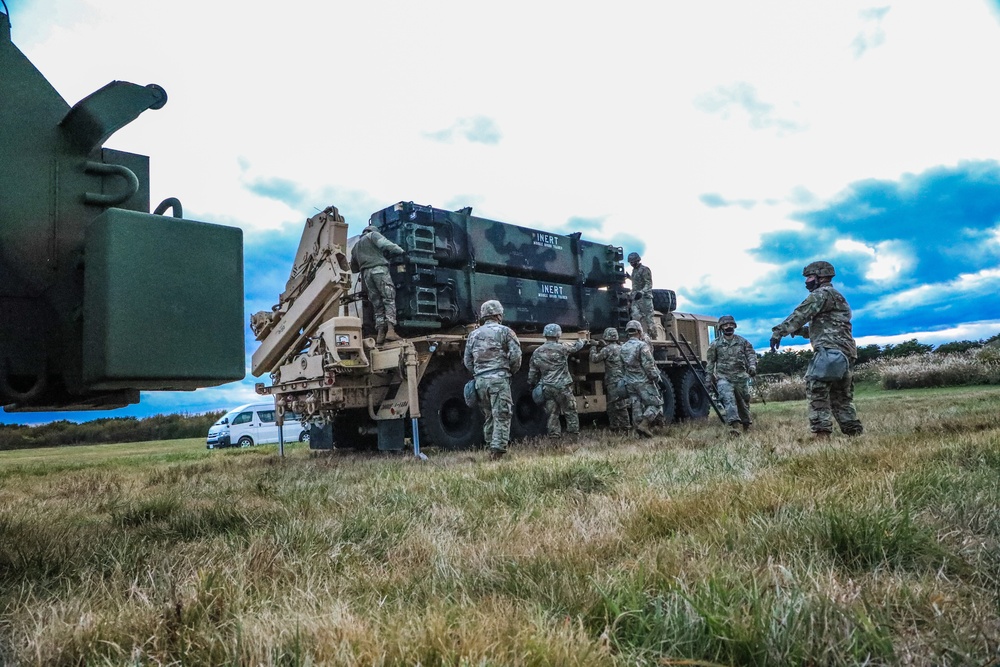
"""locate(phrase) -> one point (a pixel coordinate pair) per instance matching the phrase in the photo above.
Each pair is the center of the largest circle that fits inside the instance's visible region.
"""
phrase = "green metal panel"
(163, 302)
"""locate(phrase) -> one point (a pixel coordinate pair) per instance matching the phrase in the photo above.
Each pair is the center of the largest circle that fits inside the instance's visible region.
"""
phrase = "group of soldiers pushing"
(632, 380)
(493, 356)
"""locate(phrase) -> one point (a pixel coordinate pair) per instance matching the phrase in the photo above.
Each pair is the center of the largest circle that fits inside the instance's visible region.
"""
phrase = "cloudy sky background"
(730, 143)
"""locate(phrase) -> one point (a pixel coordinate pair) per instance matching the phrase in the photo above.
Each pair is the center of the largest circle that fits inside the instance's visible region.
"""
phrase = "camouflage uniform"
(827, 316)
(731, 362)
(369, 254)
(549, 367)
(614, 375)
(642, 381)
(642, 298)
(492, 355)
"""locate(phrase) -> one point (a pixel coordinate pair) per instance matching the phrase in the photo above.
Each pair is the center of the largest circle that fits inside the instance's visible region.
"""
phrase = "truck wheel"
(529, 417)
(445, 420)
(669, 403)
(245, 441)
(692, 401)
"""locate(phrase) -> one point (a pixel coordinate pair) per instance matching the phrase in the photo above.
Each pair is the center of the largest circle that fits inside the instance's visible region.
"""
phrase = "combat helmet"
(634, 256)
(821, 269)
(727, 319)
(610, 334)
(634, 325)
(552, 331)
(490, 308)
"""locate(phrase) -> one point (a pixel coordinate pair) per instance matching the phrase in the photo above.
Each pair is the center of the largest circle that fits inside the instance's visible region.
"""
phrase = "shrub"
(972, 367)
(789, 389)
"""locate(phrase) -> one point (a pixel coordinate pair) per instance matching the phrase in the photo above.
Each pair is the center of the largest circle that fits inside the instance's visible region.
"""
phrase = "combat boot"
(380, 335)
(642, 428)
(390, 333)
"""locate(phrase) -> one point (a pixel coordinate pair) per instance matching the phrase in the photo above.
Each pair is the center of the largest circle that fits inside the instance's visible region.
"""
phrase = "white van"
(253, 424)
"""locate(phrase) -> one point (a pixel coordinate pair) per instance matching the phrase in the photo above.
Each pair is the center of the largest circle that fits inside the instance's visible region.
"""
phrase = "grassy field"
(688, 549)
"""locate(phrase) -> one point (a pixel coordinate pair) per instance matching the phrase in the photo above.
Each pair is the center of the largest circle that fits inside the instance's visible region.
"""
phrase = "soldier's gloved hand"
(752, 372)
(775, 342)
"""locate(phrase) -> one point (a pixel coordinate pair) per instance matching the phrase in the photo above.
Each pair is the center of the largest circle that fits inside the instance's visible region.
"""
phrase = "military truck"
(317, 343)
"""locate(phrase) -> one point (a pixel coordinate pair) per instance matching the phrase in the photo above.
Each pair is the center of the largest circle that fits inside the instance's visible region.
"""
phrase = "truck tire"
(529, 418)
(669, 402)
(664, 300)
(445, 419)
(692, 401)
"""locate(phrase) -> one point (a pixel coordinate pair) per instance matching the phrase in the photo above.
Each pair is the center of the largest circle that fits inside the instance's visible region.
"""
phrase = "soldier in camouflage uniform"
(369, 256)
(642, 380)
(732, 361)
(824, 317)
(549, 368)
(642, 293)
(609, 351)
(493, 355)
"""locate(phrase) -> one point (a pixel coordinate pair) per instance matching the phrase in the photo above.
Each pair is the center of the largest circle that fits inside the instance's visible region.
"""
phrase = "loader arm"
(320, 278)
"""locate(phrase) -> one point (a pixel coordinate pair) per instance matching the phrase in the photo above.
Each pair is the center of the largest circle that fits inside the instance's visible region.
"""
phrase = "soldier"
(549, 369)
(609, 351)
(825, 319)
(732, 361)
(642, 293)
(492, 355)
(642, 380)
(369, 256)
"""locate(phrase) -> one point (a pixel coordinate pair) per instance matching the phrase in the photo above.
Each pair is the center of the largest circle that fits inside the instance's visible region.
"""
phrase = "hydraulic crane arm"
(320, 278)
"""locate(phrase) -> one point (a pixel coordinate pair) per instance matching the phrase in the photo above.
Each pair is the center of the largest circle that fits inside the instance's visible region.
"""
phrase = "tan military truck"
(318, 347)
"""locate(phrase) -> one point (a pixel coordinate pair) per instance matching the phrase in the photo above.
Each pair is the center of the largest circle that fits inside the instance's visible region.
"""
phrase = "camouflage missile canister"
(441, 297)
(457, 239)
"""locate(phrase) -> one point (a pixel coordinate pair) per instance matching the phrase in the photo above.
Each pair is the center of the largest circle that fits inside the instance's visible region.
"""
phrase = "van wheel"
(245, 441)
(692, 401)
(445, 420)
(304, 436)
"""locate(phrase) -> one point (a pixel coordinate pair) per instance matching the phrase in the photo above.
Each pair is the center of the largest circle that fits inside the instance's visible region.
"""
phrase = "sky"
(729, 143)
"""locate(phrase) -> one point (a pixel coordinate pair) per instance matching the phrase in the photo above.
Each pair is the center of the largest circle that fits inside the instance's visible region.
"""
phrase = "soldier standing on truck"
(369, 257)
(642, 380)
(732, 361)
(609, 351)
(824, 317)
(493, 355)
(642, 293)
(549, 369)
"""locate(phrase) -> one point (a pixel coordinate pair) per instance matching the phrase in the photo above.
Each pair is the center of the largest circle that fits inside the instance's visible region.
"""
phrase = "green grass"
(690, 548)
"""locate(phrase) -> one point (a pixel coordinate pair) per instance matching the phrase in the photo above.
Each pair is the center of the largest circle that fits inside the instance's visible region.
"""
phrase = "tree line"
(795, 362)
(107, 430)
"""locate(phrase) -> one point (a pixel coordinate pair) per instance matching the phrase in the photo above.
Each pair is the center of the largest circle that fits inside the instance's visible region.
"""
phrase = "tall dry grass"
(690, 548)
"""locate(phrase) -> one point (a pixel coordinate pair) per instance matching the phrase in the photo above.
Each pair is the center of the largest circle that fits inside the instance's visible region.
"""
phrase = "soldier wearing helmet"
(549, 369)
(492, 355)
(609, 352)
(732, 361)
(642, 293)
(368, 254)
(642, 380)
(824, 317)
